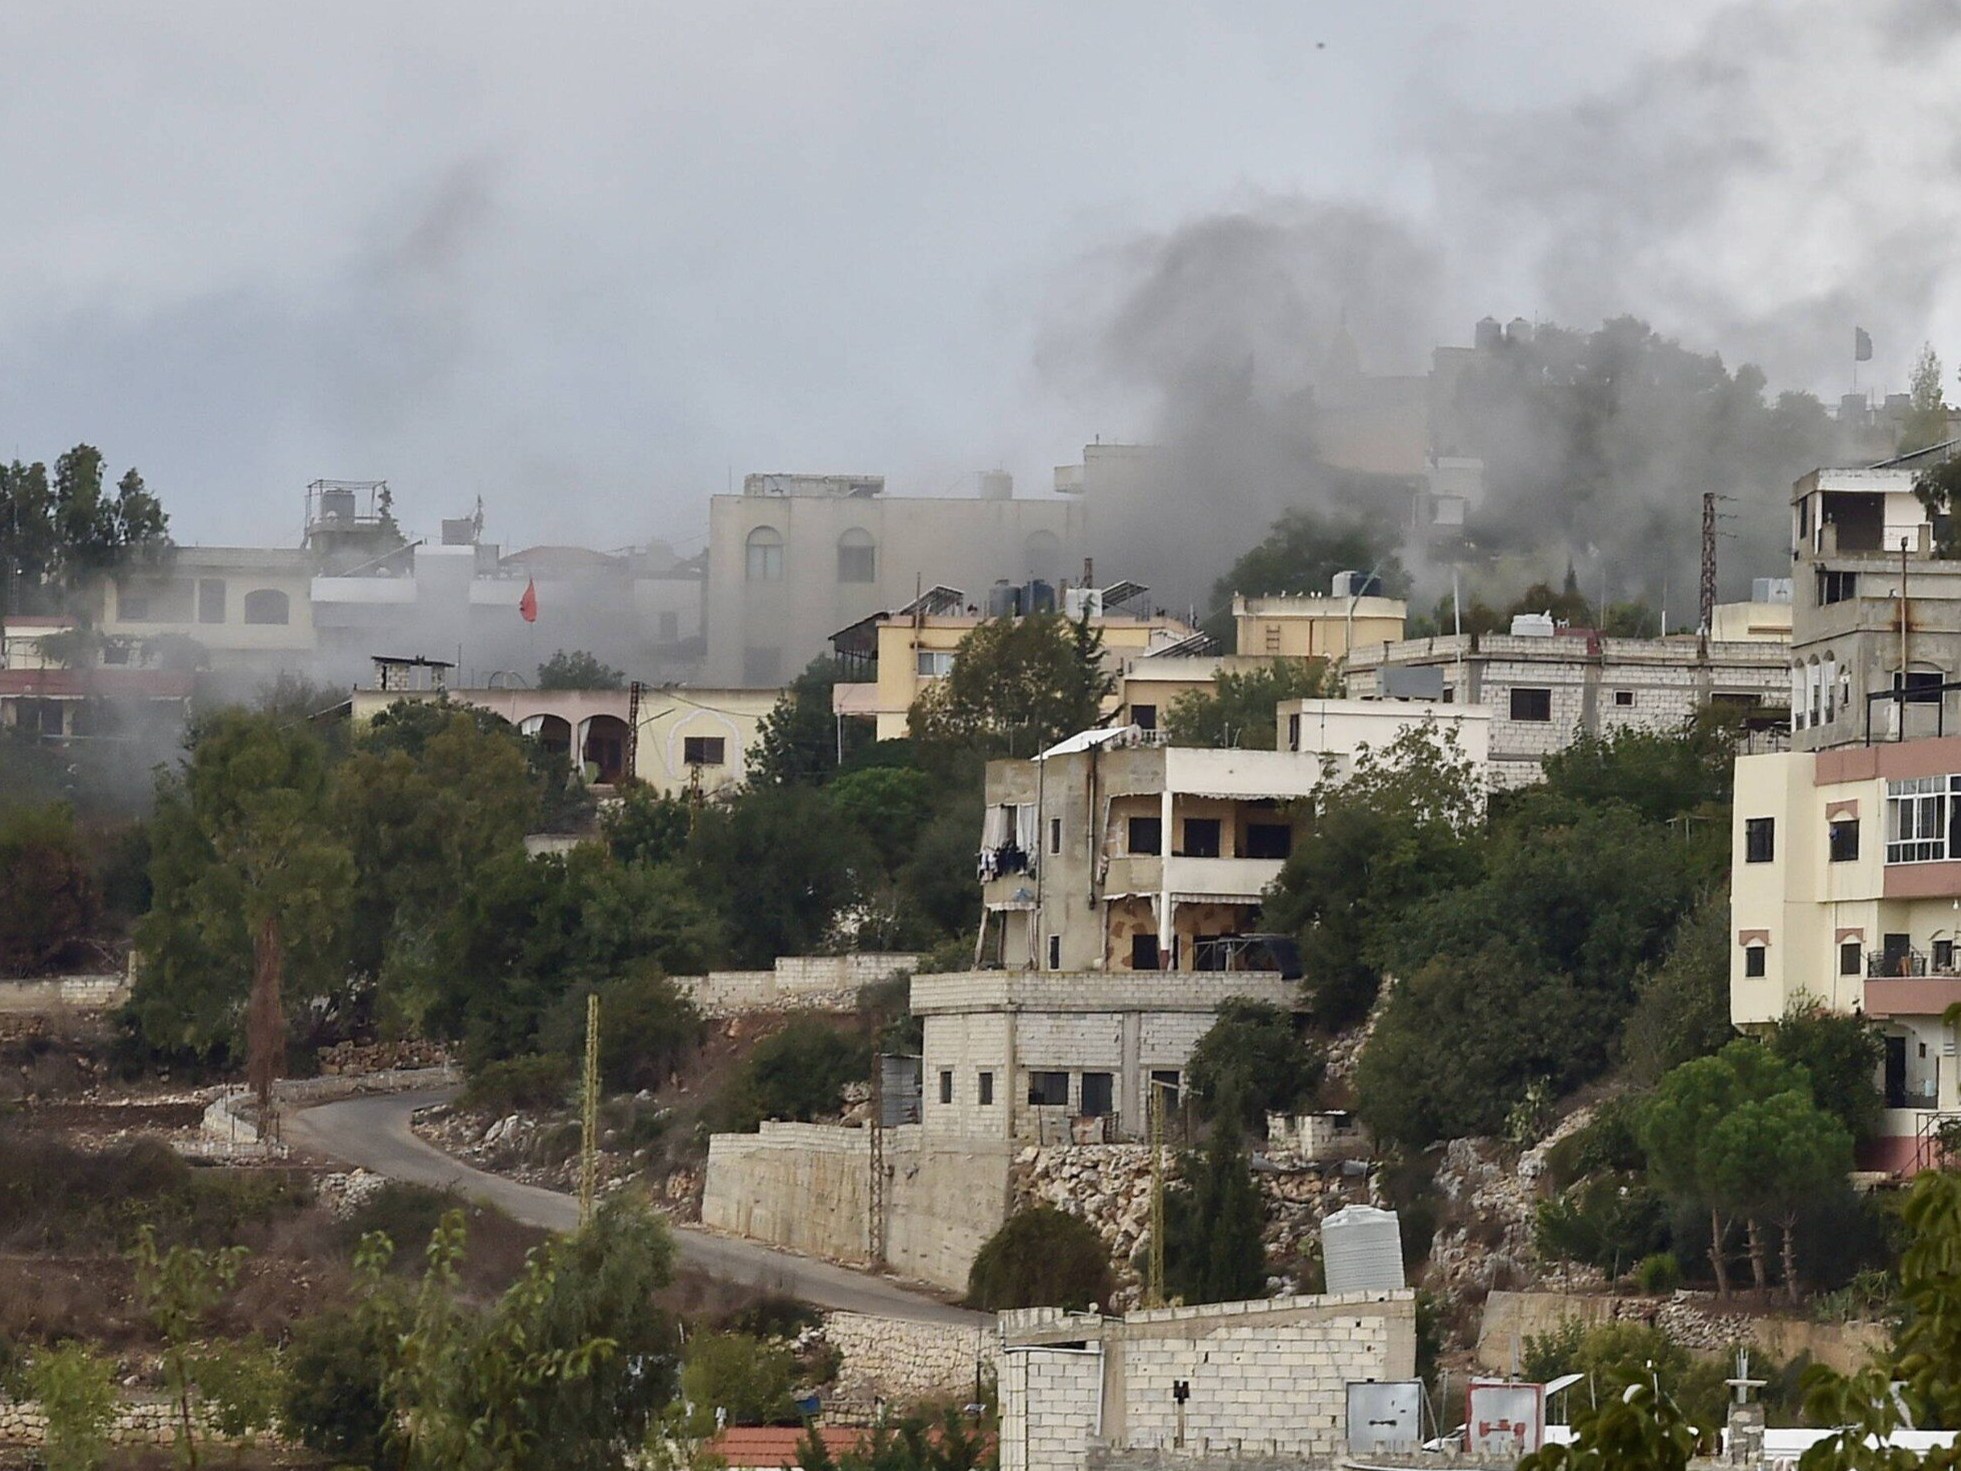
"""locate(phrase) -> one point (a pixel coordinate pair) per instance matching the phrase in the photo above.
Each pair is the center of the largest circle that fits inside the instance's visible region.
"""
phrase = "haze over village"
(851, 737)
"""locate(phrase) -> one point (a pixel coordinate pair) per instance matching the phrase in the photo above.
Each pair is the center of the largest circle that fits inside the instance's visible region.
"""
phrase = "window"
(1844, 841)
(857, 557)
(1144, 951)
(211, 600)
(1099, 1094)
(1048, 1090)
(1201, 837)
(1164, 1087)
(704, 750)
(1146, 835)
(1293, 732)
(1055, 952)
(1055, 835)
(1144, 717)
(1753, 960)
(762, 668)
(1923, 686)
(1837, 587)
(132, 607)
(933, 663)
(764, 555)
(670, 627)
(1917, 819)
(1944, 957)
(985, 1090)
(1624, 698)
(1269, 840)
(1534, 705)
(266, 605)
(1759, 839)
(1851, 958)
(946, 1085)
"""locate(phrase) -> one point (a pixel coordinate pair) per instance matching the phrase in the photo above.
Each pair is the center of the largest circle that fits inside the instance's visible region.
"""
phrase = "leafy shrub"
(406, 1214)
(1658, 1273)
(1042, 1257)
(796, 1073)
(241, 1384)
(335, 1399)
(78, 1395)
(647, 1029)
(772, 1315)
(1607, 1221)
(749, 1379)
(51, 900)
(519, 1085)
(1251, 1062)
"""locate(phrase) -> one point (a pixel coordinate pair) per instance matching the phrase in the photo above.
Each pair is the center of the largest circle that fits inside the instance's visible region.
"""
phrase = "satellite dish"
(1564, 1381)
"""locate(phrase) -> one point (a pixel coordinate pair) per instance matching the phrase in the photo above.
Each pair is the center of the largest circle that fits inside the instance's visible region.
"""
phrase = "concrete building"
(689, 739)
(1846, 889)
(1549, 685)
(888, 660)
(1113, 852)
(1257, 1383)
(239, 610)
(1298, 626)
(794, 557)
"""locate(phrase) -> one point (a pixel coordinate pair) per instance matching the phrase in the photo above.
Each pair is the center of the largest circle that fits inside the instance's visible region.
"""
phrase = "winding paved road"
(373, 1132)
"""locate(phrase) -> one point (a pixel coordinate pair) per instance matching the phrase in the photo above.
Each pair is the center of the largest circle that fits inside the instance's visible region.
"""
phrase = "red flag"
(527, 605)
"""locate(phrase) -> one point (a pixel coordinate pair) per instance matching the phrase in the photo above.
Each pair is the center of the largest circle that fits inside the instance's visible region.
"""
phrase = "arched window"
(266, 605)
(1044, 551)
(857, 556)
(765, 555)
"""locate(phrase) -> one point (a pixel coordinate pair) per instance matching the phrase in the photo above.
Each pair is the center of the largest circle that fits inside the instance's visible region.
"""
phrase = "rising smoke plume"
(1785, 179)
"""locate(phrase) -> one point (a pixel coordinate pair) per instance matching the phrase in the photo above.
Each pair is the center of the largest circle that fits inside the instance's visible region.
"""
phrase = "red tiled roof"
(74, 684)
(774, 1447)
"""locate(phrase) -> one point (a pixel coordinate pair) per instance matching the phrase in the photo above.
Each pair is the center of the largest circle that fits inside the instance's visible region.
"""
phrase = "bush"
(1658, 1273)
(1608, 1221)
(749, 1379)
(78, 1395)
(1042, 1257)
(335, 1399)
(647, 1030)
(519, 1085)
(796, 1073)
(406, 1214)
(51, 901)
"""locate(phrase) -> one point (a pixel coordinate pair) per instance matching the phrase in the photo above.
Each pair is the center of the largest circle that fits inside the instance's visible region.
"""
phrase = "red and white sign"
(1504, 1419)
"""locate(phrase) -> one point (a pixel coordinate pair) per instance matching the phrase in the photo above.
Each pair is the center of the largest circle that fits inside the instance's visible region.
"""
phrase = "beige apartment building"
(795, 557)
(248, 609)
(1309, 626)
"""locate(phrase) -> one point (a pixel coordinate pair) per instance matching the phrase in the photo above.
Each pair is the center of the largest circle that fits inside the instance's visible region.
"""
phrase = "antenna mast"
(1706, 607)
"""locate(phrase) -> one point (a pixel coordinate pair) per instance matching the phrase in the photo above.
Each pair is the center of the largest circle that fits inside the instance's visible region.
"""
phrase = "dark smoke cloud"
(1743, 197)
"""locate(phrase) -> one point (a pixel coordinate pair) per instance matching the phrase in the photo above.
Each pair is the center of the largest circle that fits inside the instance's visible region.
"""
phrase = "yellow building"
(249, 609)
(688, 738)
(889, 659)
(1309, 626)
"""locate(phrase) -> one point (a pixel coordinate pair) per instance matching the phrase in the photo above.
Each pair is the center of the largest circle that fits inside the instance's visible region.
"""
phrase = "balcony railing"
(1906, 965)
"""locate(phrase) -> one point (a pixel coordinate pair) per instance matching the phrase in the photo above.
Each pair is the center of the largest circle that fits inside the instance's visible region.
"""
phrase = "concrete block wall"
(1266, 1378)
(796, 982)
(63, 993)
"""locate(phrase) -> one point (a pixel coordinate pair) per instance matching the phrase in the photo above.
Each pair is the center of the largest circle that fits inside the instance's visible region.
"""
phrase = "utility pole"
(1706, 606)
(589, 1115)
(1154, 1281)
(875, 1194)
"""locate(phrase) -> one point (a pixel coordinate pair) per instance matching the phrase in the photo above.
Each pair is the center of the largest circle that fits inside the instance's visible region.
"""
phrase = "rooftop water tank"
(1039, 597)
(1362, 1250)
(1532, 625)
(997, 485)
(1003, 599)
(1487, 334)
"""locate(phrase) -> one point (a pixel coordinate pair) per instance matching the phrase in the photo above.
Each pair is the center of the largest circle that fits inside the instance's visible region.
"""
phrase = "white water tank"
(1362, 1250)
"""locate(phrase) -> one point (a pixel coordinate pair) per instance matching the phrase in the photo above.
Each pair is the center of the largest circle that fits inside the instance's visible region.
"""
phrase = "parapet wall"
(1094, 991)
(63, 993)
(899, 1361)
(797, 983)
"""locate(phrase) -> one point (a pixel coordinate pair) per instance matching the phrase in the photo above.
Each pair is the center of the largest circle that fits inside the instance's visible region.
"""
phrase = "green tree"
(1926, 421)
(797, 741)
(58, 533)
(1694, 1158)
(747, 1379)
(1767, 1158)
(780, 864)
(797, 1072)
(1041, 1257)
(51, 902)
(76, 1389)
(1018, 685)
(646, 826)
(179, 1289)
(888, 804)
(1301, 553)
(647, 1029)
(250, 890)
(1239, 709)
(1213, 1250)
(1401, 825)
(1660, 774)
(578, 670)
(1681, 1007)
(1840, 1054)
(1251, 1062)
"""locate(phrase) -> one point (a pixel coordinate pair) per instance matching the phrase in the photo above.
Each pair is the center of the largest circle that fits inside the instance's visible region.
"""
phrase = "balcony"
(1912, 982)
(1910, 964)
(1236, 880)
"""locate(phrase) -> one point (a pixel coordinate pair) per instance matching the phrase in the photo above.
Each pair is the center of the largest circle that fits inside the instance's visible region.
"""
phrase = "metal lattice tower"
(1154, 1282)
(589, 1115)
(1706, 601)
(875, 1194)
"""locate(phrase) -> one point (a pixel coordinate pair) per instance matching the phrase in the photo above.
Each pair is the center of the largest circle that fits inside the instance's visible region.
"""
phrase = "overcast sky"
(591, 261)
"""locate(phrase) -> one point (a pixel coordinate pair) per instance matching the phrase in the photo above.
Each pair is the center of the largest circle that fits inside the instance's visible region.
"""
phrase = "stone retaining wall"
(899, 1362)
(228, 1132)
(138, 1422)
(797, 983)
(63, 993)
